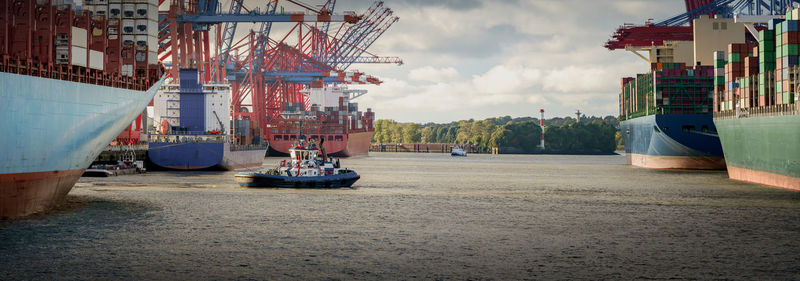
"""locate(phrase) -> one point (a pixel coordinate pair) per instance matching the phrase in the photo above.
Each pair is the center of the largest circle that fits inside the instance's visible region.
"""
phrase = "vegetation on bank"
(592, 135)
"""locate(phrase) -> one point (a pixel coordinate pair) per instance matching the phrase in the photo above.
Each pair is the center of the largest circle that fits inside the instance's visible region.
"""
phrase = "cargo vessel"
(193, 133)
(329, 113)
(757, 112)
(72, 78)
(666, 120)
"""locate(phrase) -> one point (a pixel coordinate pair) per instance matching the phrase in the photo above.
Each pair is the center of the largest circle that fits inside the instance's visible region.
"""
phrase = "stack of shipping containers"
(777, 56)
(786, 41)
(670, 88)
(766, 67)
(747, 92)
(719, 78)
(79, 40)
(734, 70)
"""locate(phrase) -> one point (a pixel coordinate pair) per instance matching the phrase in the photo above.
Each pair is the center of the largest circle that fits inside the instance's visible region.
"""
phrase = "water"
(417, 216)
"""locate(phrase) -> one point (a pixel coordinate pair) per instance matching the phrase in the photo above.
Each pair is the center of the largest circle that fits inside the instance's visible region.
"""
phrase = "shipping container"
(78, 56)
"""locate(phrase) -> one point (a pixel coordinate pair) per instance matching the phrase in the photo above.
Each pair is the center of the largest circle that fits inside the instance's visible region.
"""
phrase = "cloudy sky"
(477, 59)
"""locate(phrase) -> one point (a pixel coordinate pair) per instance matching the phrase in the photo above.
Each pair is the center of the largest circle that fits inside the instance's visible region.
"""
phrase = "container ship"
(73, 76)
(193, 133)
(666, 120)
(329, 112)
(756, 109)
(666, 115)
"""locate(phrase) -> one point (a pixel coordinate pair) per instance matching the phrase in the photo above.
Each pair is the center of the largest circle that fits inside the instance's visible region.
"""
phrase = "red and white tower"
(541, 124)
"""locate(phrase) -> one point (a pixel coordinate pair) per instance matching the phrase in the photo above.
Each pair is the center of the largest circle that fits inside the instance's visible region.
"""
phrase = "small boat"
(308, 168)
(457, 151)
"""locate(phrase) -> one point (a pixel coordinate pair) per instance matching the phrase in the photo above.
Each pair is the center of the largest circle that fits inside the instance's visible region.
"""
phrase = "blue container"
(790, 25)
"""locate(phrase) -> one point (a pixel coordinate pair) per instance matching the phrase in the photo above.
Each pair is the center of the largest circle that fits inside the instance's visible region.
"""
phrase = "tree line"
(510, 135)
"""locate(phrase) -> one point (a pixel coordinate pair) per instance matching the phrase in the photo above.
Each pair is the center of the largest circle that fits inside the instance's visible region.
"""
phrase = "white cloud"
(433, 74)
(505, 58)
(504, 80)
(579, 79)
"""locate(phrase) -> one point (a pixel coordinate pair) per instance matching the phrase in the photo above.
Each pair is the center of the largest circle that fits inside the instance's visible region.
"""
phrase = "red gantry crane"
(268, 73)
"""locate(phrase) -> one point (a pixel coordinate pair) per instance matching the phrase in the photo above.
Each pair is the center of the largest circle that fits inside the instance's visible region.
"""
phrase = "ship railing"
(188, 138)
(78, 74)
(120, 148)
(239, 147)
(761, 111)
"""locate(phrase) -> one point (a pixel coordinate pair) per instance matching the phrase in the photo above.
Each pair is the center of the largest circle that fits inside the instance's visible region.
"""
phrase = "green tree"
(427, 134)
(411, 133)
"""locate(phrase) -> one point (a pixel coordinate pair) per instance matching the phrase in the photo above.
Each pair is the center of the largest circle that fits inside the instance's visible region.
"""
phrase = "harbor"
(331, 140)
(424, 216)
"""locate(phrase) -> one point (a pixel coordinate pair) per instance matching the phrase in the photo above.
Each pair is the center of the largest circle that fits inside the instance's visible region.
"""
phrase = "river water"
(417, 216)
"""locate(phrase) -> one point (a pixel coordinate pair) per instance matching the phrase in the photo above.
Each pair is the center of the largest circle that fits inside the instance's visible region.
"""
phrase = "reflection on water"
(425, 216)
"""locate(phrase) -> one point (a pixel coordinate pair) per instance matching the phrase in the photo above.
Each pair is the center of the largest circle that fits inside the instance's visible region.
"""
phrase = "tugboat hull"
(264, 180)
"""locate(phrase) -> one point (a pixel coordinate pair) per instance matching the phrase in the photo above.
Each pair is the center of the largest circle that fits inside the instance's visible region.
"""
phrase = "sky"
(477, 59)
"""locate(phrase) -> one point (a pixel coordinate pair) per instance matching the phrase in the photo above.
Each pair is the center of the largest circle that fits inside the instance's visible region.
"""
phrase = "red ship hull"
(344, 145)
(27, 193)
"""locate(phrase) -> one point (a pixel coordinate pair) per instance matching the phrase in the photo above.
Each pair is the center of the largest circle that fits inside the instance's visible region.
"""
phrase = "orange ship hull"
(344, 145)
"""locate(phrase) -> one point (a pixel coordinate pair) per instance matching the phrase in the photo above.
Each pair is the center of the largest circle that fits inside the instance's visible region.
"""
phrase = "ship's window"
(285, 137)
(338, 138)
(687, 128)
(293, 137)
(277, 138)
(716, 25)
(723, 25)
(142, 12)
(655, 128)
(704, 129)
(330, 138)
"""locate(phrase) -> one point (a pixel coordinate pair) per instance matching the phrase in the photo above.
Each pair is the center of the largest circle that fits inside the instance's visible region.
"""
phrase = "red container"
(792, 38)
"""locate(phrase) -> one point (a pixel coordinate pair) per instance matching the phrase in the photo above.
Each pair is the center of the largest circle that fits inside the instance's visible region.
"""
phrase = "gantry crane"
(264, 71)
(635, 38)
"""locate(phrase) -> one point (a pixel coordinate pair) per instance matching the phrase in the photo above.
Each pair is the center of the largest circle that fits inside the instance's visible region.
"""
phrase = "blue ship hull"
(673, 141)
(203, 155)
(185, 156)
(53, 130)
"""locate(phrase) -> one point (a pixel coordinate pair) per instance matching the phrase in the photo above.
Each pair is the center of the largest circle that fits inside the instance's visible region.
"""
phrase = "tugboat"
(457, 151)
(309, 167)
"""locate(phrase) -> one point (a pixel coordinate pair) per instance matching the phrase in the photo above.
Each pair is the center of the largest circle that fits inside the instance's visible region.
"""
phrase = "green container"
(733, 57)
(767, 46)
(778, 31)
(719, 80)
(764, 67)
(720, 63)
(762, 89)
(779, 52)
(788, 98)
(778, 87)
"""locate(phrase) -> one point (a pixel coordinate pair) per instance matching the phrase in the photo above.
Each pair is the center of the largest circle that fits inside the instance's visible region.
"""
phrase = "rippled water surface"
(417, 216)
